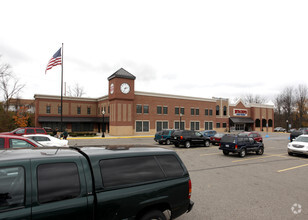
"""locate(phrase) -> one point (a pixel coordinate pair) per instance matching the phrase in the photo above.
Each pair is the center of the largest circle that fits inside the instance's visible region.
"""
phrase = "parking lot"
(271, 186)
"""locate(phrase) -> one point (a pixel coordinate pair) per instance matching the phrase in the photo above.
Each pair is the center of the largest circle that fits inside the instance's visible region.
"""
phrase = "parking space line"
(256, 158)
(209, 154)
(292, 168)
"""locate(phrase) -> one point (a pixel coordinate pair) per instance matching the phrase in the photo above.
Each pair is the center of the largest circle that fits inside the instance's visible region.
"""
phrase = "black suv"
(240, 144)
(189, 138)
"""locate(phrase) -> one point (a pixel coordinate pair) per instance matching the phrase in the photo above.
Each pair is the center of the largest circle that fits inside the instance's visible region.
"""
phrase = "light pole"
(180, 120)
(103, 113)
(287, 125)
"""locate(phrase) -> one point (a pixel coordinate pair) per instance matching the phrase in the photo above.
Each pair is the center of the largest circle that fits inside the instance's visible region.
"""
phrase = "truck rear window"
(228, 139)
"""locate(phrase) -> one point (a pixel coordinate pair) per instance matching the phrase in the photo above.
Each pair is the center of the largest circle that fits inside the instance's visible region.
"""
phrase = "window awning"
(73, 119)
(241, 120)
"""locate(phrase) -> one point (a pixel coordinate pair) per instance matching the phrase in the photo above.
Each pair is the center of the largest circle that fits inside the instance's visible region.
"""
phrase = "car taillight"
(189, 188)
(181, 137)
(235, 146)
(219, 144)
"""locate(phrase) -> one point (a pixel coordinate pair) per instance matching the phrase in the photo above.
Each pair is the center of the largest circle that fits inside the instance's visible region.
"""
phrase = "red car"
(255, 135)
(27, 130)
(13, 141)
(216, 138)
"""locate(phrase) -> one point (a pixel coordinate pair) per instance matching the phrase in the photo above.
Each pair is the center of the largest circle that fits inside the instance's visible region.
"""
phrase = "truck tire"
(168, 142)
(206, 143)
(187, 144)
(260, 151)
(154, 214)
(242, 153)
(226, 152)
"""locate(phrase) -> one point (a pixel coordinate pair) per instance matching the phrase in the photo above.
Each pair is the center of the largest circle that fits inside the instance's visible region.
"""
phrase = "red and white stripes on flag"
(55, 60)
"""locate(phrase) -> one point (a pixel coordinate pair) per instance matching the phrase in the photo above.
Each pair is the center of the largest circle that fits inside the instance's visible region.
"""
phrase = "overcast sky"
(221, 48)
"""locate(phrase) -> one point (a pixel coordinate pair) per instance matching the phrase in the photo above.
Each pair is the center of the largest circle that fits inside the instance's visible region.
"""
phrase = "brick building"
(129, 112)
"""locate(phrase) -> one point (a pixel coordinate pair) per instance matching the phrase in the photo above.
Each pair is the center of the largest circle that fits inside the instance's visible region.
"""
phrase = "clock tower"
(121, 94)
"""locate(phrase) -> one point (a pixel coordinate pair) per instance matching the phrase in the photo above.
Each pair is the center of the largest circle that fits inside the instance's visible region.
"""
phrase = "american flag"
(54, 61)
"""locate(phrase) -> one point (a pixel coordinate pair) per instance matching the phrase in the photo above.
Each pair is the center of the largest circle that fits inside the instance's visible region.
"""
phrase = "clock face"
(125, 88)
(111, 88)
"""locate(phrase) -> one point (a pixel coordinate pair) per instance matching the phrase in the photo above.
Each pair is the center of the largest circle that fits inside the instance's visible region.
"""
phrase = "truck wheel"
(154, 215)
(206, 143)
(168, 142)
(176, 145)
(187, 144)
(260, 151)
(226, 152)
(242, 153)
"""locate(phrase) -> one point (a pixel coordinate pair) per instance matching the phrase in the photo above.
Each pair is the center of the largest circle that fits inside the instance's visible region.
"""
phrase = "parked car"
(13, 141)
(189, 138)
(299, 145)
(253, 134)
(164, 136)
(279, 129)
(240, 144)
(215, 140)
(47, 140)
(80, 183)
(296, 133)
(208, 133)
(27, 130)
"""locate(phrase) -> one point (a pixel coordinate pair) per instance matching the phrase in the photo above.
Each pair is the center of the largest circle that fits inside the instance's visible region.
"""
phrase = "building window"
(217, 125)
(195, 125)
(165, 110)
(208, 125)
(211, 112)
(182, 111)
(206, 112)
(217, 109)
(89, 111)
(177, 110)
(59, 109)
(192, 111)
(146, 109)
(159, 110)
(48, 109)
(108, 109)
(161, 125)
(78, 110)
(142, 126)
(270, 123)
(197, 111)
(224, 125)
(263, 122)
(177, 125)
(139, 109)
(225, 110)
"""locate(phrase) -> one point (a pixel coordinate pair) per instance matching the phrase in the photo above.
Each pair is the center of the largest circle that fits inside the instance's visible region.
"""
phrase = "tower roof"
(122, 73)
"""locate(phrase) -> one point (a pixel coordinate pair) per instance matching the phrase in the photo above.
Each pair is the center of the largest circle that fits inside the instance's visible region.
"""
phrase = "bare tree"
(9, 84)
(256, 99)
(301, 101)
(76, 91)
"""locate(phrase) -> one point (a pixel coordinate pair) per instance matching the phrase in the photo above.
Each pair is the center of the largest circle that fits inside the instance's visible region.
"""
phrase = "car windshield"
(219, 135)
(302, 139)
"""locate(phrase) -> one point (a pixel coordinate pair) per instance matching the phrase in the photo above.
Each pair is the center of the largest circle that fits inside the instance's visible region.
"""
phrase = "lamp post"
(103, 113)
(287, 125)
(180, 120)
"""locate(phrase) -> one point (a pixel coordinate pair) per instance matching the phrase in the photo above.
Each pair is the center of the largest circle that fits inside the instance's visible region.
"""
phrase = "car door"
(198, 138)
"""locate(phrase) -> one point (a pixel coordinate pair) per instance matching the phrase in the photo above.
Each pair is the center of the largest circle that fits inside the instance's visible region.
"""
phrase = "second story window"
(78, 110)
(89, 111)
(211, 112)
(197, 111)
(165, 110)
(182, 111)
(48, 109)
(59, 109)
(139, 109)
(159, 110)
(192, 111)
(225, 110)
(217, 109)
(146, 109)
(177, 110)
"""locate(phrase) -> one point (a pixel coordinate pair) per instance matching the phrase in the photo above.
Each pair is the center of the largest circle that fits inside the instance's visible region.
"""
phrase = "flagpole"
(62, 90)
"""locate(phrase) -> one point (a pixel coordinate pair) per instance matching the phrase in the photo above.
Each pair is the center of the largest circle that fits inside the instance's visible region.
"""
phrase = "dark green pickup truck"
(93, 183)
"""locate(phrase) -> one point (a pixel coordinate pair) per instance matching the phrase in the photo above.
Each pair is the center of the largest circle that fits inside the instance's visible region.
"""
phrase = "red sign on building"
(240, 112)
